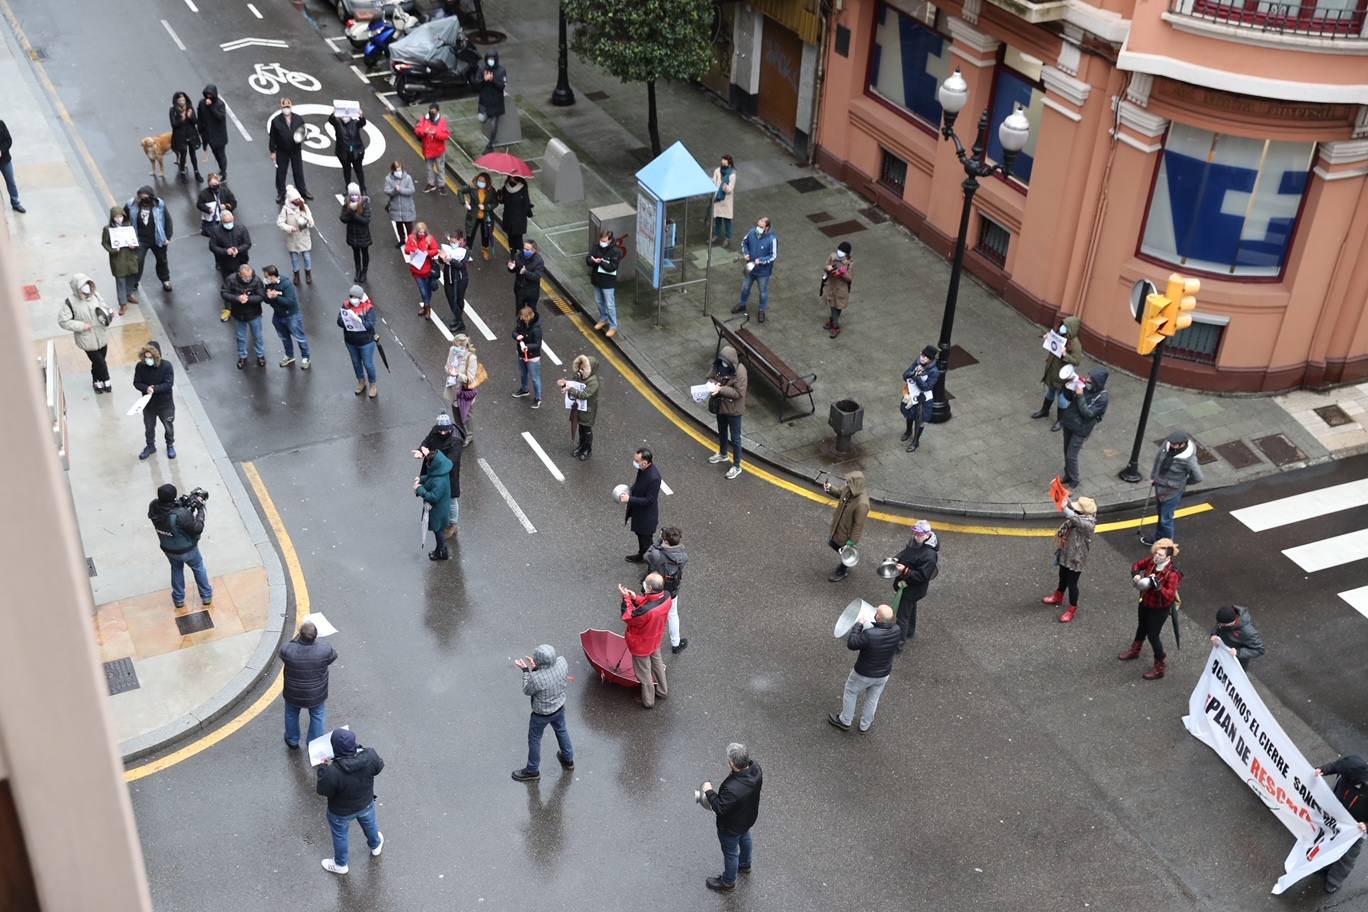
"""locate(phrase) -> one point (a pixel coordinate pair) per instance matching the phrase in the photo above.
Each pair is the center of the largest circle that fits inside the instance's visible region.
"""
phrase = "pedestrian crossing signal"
(1152, 324)
(1181, 302)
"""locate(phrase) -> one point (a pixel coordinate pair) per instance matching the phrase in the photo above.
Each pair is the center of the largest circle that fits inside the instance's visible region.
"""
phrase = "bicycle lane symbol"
(319, 138)
(269, 78)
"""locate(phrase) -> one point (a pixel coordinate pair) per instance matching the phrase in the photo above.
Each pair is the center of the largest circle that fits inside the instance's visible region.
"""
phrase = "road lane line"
(541, 454)
(508, 498)
(237, 123)
(441, 326)
(384, 101)
(1330, 552)
(172, 32)
(1287, 510)
(255, 12)
(360, 75)
(1358, 598)
(191, 4)
(479, 324)
(664, 487)
(546, 350)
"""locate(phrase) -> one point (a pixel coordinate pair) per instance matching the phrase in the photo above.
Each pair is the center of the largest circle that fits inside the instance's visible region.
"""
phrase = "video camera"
(194, 499)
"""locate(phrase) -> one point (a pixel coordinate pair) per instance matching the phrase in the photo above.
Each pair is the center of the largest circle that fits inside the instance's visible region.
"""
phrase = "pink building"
(1224, 139)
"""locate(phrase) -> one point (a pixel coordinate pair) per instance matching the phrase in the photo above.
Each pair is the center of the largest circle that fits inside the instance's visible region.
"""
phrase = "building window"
(993, 241)
(1199, 342)
(1016, 80)
(1226, 204)
(893, 172)
(1328, 18)
(908, 62)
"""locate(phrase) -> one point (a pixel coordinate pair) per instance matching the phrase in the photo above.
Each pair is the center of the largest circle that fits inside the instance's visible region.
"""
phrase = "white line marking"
(329, 41)
(384, 101)
(358, 55)
(437, 321)
(1358, 598)
(191, 4)
(1287, 510)
(340, 198)
(247, 137)
(360, 75)
(546, 460)
(479, 324)
(387, 94)
(664, 487)
(508, 498)
(1330, 552)
(255, 12)
(253, 42)
(174, 37)
(546, 350)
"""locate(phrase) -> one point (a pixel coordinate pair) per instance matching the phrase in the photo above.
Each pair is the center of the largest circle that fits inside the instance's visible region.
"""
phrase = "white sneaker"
(304, 365)
(715, 458)
(375, 852)
(733, 471)
(333, 867)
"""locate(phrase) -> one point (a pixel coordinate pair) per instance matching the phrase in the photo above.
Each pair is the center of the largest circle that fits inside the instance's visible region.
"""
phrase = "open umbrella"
(504, 163)
(607, 653)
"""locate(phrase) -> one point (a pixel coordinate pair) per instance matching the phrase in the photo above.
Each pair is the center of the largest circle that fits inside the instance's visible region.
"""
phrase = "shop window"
(893, 172)
(1226, 204)
(993, 241)
(1199, 342)
(907, 62)
(1016, 81)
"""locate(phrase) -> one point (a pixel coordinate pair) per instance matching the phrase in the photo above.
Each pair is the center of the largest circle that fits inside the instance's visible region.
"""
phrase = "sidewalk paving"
(182, 681)
(990, 459)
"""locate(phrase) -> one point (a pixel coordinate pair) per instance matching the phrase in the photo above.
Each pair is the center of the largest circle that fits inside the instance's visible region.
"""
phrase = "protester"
(727, 385)
(848, 522)
(1175, 465)
(760, 248)
(1235, 631)
(403, 212)
(434, 487)
(517, 209)
(667, 558)
(420, 250)
(242, 294)
(463, 382)
(348, 782)
(603, 263)
(296, 219)
(919, 385)
(357, 318)
(490, 107)
(736, 802)
(123, 261)
(212, 119)
(151, 221)
(453, 260)
(356, 215)
(643, 503)
(582, 420)
(527, 267)
(85, 315)
(1088, 401)
(179, 522)
(305, 663)
(478, 197)
(918, 563)
(1156, 579)
(350, 145)
(446, 438)
(285, 141)
(7, 168)
(646, 616)
(285, 316)
(544, 678)
(434, 132)
(724, 179)
(1352, 792)
(155, 376)
(214, 200)
(1069, 328)
(527, 333)
(184, 134)
(835, 288)
(230, 242)
(1072, 540)
(877, 645)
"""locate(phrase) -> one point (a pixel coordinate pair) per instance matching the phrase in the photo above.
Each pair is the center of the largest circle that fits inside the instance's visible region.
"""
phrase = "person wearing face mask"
(582, 420)
(400, 206)
(214, 200)
(760, 248)
(1088, 401)
(835, 289)
(1174, 466)
(528, 269)
(357, 317)
(603, 270)
(919, 381)
(184, 134)
(643, 507)
(447, 438)
(151, 222)
(212, 119)
(434, 487)
(517, 209)
(242, 294)
(85, 315)
(296, 219)
(420, 251)
(1157, 580)
(464, 374)
(285, 140)
(350, 147)
(155, 376)
(490, 107)
(285, 316)
(527, 333)
(478, 197)
(1069, 328)
(727, 387)
(434, 132)
(229, 242)
(356, 215)
(123, 261)
(453, 262)
(724, 179)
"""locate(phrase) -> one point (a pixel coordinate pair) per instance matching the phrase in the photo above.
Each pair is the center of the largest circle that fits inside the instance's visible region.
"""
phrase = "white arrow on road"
(253, 42)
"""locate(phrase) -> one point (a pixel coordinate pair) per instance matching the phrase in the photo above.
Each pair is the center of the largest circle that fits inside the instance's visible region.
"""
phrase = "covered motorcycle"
(434, 57)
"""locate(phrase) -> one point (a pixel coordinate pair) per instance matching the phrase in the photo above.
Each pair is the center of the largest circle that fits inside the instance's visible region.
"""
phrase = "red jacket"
(645, 616)
(427, 244)
(434, 136)
(1165, 590)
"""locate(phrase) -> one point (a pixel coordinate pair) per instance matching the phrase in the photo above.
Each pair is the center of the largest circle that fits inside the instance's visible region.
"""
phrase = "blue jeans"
(1166, 510)
(340, 826)
(363, 360)
(296, 256)
(7, 170)
(729, 426)
(751, 279)
(291, 329)
(536, 727)
(318, 721)
(426, 286)
(123, 287)
(736, 852)
(196, 564)
(722, 227)
(606, 299)
(530, 369)
(240, 330)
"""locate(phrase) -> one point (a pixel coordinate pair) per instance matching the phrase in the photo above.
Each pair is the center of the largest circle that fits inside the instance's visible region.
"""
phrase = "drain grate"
(90, 566)
(841, 228)
(1333, 415)
(1279, 450)
(1238, 454)
(818, 217)
(120, 676)
(805, 184)
(875, 215)
(959, 358)
(194, 353)
(193, 622)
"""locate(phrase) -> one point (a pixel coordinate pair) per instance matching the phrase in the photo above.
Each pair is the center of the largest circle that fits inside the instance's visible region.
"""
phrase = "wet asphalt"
(1014, 764)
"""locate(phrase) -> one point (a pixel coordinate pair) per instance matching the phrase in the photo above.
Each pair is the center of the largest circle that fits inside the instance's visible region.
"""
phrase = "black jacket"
(922, 562)
(1352, 787)
(1244, 639)
(528, 283)
(208, 196)
(212, 119)
(358, 223)
(349, 782)
(603, 275)
(1085, 411)
(517, 208)
(5, 143)
(454, 273)
(306, 672)
(160, 377)
(452, 446)
(491, 93)
(643, 501)
(878, 644)
(350, 145)
(737, 800)
(234, 287)
(280, 138)
(184, 132)
(221, 238)
(178, 528)
(531, 337)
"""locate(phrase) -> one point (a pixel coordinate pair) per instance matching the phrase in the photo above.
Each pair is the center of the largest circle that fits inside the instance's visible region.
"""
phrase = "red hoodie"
(645, 616)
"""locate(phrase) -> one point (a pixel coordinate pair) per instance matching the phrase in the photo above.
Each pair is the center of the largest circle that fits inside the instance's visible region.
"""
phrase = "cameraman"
(179, 523)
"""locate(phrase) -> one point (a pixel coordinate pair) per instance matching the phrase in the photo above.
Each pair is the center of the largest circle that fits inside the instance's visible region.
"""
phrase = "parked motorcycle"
(435, 57)
(374, 36)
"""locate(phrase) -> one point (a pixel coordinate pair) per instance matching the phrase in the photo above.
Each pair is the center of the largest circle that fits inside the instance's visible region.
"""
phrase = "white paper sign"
(344, 109)
(325, 627)
(351, 321)
(417, 259)
(700, 392)
(453, 253)
(121, 236)
(320, 748)
(1054, 343)
(137, 407)
(571, 402)
(1226, 714)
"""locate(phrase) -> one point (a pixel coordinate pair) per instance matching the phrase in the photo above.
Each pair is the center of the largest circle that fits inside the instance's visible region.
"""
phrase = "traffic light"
(1181, 301)
(1152, 323)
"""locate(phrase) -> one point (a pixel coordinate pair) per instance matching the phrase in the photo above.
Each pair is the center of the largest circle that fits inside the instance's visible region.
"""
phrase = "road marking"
(255, 12)
(191, 4)
(1358, 598)
(358, 55)
(383, 100)
(1330, 552)
(237, 123)
(546, 460)
(340, 198)
(1287, 510)
(253, 42)
(479, 324)
(546, 350)
(664, 487)
(172, 32)
(329, 41)
(360, 75)
(508, 498)
(441, 326)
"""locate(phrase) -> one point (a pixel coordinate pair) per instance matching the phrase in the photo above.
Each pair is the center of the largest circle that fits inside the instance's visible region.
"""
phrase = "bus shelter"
(667, 188)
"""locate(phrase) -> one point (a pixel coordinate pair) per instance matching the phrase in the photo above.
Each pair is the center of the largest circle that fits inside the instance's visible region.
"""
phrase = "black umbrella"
(1173, 616)
(381, 349)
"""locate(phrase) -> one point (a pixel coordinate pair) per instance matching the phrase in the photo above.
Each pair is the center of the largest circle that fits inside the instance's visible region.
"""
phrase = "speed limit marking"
(319, 136)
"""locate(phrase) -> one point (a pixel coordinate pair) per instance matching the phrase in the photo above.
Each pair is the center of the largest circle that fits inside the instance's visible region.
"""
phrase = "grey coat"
(1170, 481)
(1073, 539)
(547, 683)
(401, 207)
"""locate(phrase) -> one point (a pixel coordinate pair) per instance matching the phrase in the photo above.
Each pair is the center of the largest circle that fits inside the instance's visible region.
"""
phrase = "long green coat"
(586, 371)
(123, 261)
(1073, 354)
(435, 488)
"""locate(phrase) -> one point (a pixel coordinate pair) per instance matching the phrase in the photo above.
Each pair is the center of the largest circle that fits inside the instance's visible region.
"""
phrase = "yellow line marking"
(301, 592)
(1152, 519)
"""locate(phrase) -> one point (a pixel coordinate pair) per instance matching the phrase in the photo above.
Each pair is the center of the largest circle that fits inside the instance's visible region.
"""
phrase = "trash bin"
(847, 417)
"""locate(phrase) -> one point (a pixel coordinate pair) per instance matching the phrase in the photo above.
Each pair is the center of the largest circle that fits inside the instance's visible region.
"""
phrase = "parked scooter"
(373, 37)
(435, 57)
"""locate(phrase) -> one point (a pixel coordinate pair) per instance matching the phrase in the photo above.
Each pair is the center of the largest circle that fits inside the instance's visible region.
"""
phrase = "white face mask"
(87, 288)
(1160, 562)
(354, 302)
(840, 254)
(228, 223)
(149, 362)
(760, 229)
(399, 175)
(481, 184)
(604, 243)
(636, 464)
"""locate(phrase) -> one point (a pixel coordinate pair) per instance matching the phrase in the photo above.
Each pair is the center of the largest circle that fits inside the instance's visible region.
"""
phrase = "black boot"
(907, 434)
(840, 573)
(1059, 413)
(440, 553)
(586, 444)
(916, 439)
(1043, 411)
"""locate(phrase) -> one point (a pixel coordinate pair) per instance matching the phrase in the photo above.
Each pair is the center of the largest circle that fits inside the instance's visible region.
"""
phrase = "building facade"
(1222, 139)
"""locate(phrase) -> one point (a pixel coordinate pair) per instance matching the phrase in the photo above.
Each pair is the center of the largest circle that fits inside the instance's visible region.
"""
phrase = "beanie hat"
(929, 351)
(343, 743)
(844, 247)
(166, 493)
(353, 189)
(1226, 614)
(356, 291)
(444, 420)
(922, 527)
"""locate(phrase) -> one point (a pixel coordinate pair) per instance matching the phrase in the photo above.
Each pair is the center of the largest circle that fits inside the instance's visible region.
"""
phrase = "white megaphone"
(858, 611)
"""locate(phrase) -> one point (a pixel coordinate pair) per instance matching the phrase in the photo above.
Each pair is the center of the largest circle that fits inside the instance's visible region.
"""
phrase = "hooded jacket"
(922, 560)
(366, 335)
(1086, 409)
(158, 229)
(184, 130)
(348, 780)
(852, 506)
(306, 672)
(645, 616)
(732, 395)
(161, 376)
(178, 528)
(435, 489)
(669, 561)
(212, 119)
(81, 310)
(400, 190)
(296, 219)
(491, 93)
(1244, 637)
(1073, 354)
(234, 287)
(350, 146)
(604, 274)
(1172, 473)
(211, 203)
(434, 134)
(877, 644)
(546, 684)
(124, 260)
(736, 802)
(531, 338)
(585, 369)
(517, 207)
(452, 446)
(357, 221)
(221, 237)
(1352, 787)
(285, 303)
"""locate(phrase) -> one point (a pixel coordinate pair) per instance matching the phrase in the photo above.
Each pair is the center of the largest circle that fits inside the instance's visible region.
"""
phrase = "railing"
(1277, 18)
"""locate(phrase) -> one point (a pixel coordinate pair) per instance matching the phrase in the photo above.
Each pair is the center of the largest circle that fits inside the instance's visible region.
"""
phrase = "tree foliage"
(644, 40)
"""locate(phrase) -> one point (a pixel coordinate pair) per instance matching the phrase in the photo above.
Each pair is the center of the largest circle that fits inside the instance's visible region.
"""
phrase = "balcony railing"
(1278, 18)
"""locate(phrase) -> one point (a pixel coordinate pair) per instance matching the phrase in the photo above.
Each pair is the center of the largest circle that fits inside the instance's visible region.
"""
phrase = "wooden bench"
(761, 361)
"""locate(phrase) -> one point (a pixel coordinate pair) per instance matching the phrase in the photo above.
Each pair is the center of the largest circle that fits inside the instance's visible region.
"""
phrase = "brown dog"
(155, 148)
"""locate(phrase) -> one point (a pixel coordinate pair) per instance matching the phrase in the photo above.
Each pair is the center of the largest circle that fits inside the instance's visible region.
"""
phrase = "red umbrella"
(503, 163)
(607, 652)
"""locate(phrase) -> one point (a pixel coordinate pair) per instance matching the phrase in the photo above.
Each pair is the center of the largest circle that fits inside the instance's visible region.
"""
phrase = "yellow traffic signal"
(1182, 300)
(1152, 323)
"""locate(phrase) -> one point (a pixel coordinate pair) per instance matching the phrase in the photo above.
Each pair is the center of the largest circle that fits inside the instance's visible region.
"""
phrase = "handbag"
(714, 403)
(481, 375)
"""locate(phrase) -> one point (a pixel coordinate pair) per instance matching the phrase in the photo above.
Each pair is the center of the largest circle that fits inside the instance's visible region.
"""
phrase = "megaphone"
(888, 568)
(849, 555)
(858, 611)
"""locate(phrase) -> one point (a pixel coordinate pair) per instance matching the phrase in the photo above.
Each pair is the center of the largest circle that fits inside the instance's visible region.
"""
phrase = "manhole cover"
(960, 358)
(194, 353)
(1333, 415)
(816, 217)
(120, 676)
(596, 96)
(805, 184)
(1279, 450)
(194, 622)
(874, 215)
(1238, 454)
(841, 228)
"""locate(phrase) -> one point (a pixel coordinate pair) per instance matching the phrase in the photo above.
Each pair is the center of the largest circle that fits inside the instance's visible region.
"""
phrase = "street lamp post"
(1013, 133)
(563, 95)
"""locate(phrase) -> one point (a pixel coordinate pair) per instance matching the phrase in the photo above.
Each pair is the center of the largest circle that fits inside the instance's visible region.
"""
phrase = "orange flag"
(1058, 493)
